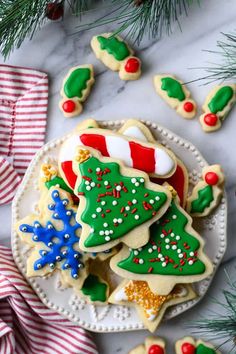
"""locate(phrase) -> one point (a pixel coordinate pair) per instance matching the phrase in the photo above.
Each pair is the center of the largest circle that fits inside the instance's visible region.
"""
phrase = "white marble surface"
(54, 52)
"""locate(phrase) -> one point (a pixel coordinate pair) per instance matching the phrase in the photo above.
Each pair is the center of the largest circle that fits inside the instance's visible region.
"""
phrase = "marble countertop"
(54, 51)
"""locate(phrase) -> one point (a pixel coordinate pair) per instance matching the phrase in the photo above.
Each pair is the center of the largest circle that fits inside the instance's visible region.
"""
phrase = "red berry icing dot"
(211, 178)
(132, 65)
(188, 348)
(210, 119)
(188, 107)
(155, 349)
(68, 106)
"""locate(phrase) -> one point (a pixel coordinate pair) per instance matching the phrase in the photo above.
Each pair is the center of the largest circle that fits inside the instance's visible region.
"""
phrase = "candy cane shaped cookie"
(151, 158)
(217, 105)
(207, 193)
(114, 52)
(175, 93)
(75, 89)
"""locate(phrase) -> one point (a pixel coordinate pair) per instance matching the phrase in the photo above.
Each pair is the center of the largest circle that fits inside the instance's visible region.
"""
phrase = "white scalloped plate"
(112, 318)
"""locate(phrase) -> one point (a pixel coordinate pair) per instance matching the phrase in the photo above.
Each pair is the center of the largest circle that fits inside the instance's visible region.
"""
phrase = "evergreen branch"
(226, 69)
(18, 20)
(221, 325)
(140, 17)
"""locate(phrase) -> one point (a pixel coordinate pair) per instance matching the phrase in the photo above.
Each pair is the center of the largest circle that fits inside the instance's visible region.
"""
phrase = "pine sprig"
(226, 68)
(18, 20)
(140, 17)
(222, 325)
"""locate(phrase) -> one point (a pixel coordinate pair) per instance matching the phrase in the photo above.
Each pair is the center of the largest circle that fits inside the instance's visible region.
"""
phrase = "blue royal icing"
(60, 242)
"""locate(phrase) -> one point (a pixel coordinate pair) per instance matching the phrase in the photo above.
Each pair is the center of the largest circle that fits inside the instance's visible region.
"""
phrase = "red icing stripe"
(143, 157)
(95, 141)
(69, 173)
(177, 181)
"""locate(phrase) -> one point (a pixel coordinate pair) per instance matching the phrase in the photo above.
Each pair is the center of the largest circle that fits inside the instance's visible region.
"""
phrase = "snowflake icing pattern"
(59, 242)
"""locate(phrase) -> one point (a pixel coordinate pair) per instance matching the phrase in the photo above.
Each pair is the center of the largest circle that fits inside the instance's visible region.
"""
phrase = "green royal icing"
(94, 288)
(77, 82)
(60, 182)
(114, 203)
(118, 49)
(204, 200)
(171, 250)
(173, 88)
(202, 349)
(221, 99)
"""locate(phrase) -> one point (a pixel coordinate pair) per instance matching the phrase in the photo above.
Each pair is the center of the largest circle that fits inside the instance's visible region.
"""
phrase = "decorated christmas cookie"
(189, 345)
(175, 93)
(75, 89)
(53, 236)
(151, 158)
(95, 289)
(207, 193)
(217, 105)
(151, 307)
(173, 254)
(179, 180)
(152, 345)
(117, 204)
(114, 52)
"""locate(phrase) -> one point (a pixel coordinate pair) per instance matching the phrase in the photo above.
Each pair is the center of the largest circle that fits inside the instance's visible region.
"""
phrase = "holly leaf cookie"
(53, 237)
(115, 53)
(173, 254)
(151, 307)
(75, 89)
(152, 345)
(207, 193)
(189, 345)
(151, 158)
(217, 106)
(117, 204)
(176, 94)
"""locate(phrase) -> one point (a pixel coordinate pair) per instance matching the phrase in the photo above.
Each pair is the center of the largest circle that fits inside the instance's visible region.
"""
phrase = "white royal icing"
(120, 295)
(119, 148)
(135, 132)
(164, 163)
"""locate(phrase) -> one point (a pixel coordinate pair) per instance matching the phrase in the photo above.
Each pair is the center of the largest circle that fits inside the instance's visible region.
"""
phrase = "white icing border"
(133, 323)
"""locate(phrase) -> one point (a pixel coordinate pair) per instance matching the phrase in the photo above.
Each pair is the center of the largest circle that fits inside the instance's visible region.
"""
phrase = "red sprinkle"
(102, 195)
(134, 210)
(154, 213)
(159, 249)
(117, 194)
(108, 193)
(108, 187)
(108, 210)
(98, 200)
(98, 185)
(80, 193)
(130, 203)
(99, 178)
(103, 215)
(125, 189)
(89, 170)
(180, 269)
(114, 193)
(122, 209)
(125, 214)
(176, 266)
(87, 178)
(146, 195)
(150, 270)
(121, 183)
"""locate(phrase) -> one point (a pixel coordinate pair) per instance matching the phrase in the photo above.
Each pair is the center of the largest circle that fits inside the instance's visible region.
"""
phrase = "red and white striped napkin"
(27, 326)
(23, 113)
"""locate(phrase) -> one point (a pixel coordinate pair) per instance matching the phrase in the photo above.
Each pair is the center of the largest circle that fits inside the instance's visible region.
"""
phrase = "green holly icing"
(115, 47)
(58, 181)
(202, 349)
(95, 289)
(203, 201)
(221, 99)
(115, 204)
(77, 82)
(171, 250)
(173, 88)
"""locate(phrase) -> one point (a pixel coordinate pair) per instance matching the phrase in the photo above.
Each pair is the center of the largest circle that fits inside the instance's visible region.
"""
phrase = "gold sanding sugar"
(139, 292)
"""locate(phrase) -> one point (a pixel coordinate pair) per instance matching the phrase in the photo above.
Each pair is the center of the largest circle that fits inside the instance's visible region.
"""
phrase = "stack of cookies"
(116, 205)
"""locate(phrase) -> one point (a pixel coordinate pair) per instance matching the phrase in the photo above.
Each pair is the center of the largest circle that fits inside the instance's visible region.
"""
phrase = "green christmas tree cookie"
(217, 105)
(117, 204)
(75, 89)
(172, 255)
(115, 53)
(188, 345)
(207, 193)
(175, 93)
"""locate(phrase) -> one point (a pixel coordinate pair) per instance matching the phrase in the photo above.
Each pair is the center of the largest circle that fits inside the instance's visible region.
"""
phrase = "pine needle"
(222, 325)
(140, 17)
